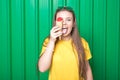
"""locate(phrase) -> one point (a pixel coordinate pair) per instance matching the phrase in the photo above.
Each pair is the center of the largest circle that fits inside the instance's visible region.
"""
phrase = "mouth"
(64, 30)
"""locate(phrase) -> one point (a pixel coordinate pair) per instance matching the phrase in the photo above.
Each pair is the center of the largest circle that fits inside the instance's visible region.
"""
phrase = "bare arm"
(89, 72)
(44, 62)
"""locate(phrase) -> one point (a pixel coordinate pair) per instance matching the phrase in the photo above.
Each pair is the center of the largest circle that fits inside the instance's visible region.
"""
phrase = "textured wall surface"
(25, 23)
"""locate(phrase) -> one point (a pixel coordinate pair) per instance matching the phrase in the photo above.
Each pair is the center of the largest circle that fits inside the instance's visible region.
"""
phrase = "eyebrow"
(69, 18)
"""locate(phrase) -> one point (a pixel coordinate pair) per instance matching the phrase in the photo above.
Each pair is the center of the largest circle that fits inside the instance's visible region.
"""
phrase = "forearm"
(89, 72)
(45, 60)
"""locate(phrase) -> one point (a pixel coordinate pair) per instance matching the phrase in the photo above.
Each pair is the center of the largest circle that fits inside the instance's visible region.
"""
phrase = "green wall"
(25, 23)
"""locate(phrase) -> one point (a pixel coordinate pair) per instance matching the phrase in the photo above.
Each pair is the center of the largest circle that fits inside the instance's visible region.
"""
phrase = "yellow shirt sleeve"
(87, 49)
(44, 45)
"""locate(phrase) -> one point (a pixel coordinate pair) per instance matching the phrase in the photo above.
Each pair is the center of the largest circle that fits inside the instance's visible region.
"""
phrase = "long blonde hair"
(76, 42)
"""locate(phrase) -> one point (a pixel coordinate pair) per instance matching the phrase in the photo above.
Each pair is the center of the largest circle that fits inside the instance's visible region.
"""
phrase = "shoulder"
(86, 49)
(46, 40)
(84, 42)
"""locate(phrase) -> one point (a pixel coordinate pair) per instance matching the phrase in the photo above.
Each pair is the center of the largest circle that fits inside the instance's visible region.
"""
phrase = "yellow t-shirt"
(64, 64)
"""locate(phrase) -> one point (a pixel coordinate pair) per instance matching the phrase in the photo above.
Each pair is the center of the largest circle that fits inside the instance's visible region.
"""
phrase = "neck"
(66, 37)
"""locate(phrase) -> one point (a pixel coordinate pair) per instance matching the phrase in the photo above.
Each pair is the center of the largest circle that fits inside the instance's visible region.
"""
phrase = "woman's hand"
(55, 32)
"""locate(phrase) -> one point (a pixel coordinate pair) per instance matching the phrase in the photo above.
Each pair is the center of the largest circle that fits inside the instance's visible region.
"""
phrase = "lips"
(64, 30)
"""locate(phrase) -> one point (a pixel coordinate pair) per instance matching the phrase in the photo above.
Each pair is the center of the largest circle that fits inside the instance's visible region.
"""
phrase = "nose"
(64, 22)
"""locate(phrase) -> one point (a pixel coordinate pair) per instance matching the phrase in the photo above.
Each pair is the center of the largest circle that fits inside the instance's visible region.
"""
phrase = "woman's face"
(67, 22)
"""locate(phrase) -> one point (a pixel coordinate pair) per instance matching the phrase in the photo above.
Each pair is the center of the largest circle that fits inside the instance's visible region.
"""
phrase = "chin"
(65, 35)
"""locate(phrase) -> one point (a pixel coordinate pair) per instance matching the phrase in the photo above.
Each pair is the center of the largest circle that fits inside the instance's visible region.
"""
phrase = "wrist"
(50, 49)
(52, 40)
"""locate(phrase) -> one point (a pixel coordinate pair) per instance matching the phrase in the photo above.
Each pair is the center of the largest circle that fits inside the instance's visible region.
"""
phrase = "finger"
(56, 29)
(55, 32)
(58, 34)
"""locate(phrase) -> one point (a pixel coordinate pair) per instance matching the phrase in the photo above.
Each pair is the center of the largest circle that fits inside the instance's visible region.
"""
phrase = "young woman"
(66, 58)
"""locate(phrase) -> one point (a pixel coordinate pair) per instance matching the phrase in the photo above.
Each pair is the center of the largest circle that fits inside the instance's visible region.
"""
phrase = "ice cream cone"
(59, 23)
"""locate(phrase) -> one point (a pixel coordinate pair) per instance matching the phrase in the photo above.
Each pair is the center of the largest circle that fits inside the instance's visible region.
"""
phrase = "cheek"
(70, 26)
(70, 29)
